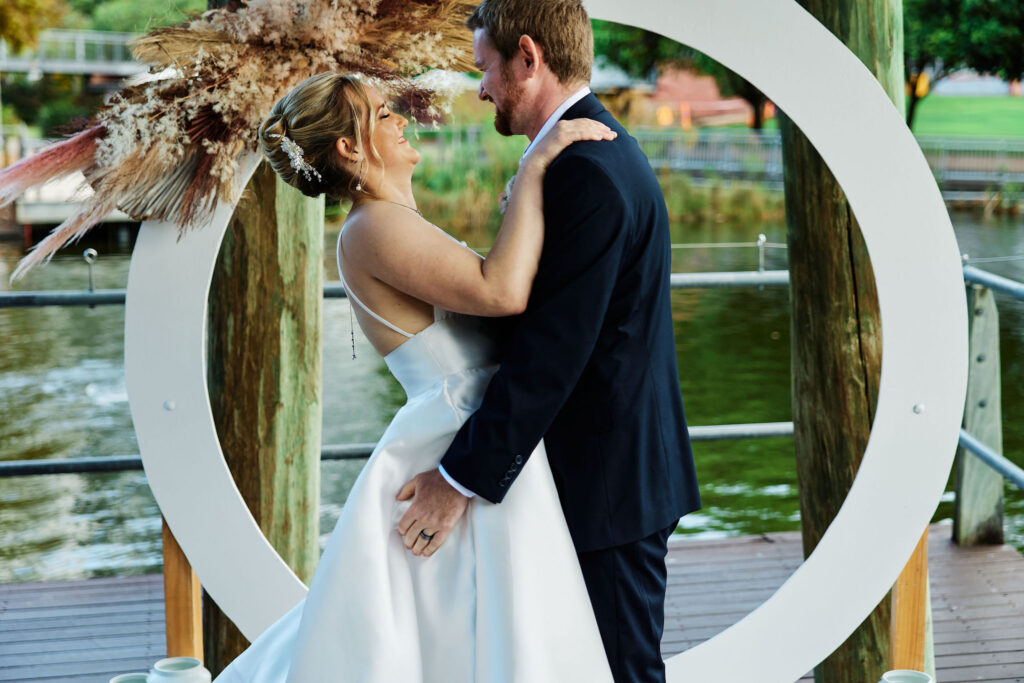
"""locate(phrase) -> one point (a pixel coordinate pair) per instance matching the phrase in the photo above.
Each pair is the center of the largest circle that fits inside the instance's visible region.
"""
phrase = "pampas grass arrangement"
(168, 148)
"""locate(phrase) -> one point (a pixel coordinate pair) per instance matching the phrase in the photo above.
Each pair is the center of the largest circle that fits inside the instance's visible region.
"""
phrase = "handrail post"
(183, 602)
(978, 511)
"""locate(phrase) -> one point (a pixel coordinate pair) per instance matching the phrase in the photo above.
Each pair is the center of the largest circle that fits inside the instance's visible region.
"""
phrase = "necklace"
(416, 211)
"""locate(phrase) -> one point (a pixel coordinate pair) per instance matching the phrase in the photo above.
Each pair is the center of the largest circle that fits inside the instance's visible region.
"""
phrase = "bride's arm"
(403, 250)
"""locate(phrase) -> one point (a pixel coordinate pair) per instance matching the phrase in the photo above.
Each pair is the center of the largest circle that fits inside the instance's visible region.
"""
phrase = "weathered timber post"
(978, 511)
(836, 354)
(265, 376)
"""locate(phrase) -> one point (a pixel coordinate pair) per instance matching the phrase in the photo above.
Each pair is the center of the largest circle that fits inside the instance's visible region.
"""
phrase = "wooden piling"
(837, 336)
(978, 511)
(265, 375)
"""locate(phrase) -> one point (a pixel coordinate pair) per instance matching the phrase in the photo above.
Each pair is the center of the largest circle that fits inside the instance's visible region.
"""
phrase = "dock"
(88, 631)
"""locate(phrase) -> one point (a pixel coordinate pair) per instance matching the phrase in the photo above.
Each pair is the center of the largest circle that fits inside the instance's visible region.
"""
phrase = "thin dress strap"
(353, 297)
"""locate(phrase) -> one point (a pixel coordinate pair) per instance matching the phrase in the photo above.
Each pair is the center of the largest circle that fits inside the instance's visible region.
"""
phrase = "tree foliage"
(940, 37)
(993, 32)
(138, 16)
(22, 20)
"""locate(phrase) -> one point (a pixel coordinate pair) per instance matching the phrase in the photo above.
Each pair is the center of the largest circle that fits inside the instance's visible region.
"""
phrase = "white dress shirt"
(557, 115)
(548, 125)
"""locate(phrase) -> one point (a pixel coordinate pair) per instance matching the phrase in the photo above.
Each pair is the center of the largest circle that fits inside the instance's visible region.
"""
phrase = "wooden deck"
(92, 630)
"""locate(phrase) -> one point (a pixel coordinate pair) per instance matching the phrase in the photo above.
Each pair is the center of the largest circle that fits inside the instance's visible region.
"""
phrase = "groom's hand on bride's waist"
(436, 509)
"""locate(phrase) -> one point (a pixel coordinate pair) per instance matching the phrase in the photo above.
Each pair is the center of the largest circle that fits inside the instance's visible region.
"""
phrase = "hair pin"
(294, 152)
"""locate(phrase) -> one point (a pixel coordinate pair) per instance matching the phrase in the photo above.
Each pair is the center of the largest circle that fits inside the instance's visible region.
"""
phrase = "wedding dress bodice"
(452, 344)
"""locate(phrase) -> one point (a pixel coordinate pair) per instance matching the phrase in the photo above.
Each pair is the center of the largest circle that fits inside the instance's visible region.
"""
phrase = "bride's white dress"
(502, 601)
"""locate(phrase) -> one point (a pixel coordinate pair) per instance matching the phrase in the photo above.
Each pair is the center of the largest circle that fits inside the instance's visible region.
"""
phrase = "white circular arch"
(845, 113)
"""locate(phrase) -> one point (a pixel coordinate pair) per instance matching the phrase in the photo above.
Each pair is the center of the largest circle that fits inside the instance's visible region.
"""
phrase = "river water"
(62, 395)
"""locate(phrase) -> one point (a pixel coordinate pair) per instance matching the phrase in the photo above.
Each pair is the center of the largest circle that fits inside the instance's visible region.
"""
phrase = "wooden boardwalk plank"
(88, 631)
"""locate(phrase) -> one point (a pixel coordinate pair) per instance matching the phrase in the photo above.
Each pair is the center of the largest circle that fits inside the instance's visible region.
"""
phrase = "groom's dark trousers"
(590, 367)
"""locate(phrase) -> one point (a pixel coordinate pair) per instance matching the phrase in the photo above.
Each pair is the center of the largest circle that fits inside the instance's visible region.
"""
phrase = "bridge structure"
(63, 51)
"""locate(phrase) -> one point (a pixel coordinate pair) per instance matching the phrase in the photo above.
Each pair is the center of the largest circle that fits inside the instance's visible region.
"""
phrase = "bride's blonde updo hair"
(314, 115)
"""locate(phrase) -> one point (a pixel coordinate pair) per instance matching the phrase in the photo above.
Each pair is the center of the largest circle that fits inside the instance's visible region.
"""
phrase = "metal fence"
(74, 52)
(759, 278)
(963, 166)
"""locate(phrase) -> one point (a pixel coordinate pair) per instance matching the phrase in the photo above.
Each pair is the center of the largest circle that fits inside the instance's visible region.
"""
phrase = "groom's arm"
(585, 232)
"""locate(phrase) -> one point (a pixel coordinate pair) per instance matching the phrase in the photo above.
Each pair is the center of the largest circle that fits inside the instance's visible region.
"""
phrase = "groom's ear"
(531, 53)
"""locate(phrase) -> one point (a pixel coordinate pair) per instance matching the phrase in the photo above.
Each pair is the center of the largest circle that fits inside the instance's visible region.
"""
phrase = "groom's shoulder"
(583, 167)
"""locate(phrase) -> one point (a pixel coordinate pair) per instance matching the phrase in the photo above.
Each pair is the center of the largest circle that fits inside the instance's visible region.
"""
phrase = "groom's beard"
(513, 96)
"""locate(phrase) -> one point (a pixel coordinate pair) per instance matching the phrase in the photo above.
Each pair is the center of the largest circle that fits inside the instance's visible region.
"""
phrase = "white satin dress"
(502, 601)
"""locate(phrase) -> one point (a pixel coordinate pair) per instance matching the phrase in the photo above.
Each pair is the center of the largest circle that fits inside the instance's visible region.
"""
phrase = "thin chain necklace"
(417, 211)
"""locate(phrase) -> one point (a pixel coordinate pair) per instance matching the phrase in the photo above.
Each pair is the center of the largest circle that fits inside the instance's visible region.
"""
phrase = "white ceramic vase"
(178, 670)
(906, 676)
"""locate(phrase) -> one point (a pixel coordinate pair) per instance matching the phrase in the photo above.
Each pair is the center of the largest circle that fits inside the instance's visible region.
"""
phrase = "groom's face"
(498, 85)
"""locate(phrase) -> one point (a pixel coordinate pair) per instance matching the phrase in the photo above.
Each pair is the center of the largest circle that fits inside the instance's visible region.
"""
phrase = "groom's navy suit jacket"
(590, 366)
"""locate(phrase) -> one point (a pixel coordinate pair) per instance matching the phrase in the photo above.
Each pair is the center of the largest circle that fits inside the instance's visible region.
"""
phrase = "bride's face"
(398, 156)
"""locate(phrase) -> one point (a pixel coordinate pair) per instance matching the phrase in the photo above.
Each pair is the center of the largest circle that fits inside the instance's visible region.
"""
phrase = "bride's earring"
(362, 172)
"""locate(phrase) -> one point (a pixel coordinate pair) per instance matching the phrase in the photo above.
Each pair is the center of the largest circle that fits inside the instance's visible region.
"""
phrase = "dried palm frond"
(61, 159)
(167, 148)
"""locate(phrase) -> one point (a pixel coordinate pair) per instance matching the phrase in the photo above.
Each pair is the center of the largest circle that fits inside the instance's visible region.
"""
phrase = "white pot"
(178, 670)
(906, 676)
(130, 678)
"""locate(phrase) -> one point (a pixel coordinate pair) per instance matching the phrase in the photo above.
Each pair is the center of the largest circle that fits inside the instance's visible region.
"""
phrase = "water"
(62, 395)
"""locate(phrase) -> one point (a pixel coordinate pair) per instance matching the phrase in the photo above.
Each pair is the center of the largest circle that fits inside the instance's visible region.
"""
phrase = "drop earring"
(359, 182)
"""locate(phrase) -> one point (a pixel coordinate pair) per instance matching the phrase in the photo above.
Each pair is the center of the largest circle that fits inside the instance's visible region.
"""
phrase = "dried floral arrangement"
(167, 149)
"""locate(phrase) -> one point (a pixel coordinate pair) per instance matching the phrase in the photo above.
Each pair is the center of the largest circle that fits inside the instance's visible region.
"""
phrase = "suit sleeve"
(552, 341)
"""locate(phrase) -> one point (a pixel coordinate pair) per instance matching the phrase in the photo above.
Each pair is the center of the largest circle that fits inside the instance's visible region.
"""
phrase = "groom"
(590, 366)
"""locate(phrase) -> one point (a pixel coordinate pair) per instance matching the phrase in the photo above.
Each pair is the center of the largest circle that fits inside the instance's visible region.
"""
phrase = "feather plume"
(67, 232)
(168, 47)
(167, 148)
(56, 161)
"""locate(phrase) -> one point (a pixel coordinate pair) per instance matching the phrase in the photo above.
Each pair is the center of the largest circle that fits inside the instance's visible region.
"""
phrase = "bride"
(502, 599)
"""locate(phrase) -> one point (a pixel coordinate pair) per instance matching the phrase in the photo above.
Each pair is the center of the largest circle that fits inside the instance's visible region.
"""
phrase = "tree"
(22, 20)
(643, 54)
(994, 37)
(942, 36)
(933, 46)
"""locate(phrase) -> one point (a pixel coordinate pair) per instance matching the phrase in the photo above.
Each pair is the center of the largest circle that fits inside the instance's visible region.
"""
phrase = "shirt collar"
(557, 115)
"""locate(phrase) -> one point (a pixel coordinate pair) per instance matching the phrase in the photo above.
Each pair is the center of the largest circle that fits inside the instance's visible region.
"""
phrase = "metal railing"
(761, 278)
(356, 451)
(74, 52)
(963, 166)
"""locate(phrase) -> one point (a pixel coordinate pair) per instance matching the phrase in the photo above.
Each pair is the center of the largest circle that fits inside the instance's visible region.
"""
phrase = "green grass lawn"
(978, 116)
(990, 117)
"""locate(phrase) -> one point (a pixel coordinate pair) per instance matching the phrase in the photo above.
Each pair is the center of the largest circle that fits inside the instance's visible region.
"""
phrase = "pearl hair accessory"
(295, 153)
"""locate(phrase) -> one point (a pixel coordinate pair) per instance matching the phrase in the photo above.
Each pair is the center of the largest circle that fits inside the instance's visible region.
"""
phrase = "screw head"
(919, 409)
(169, 405)
(981, 358)
(982, 403)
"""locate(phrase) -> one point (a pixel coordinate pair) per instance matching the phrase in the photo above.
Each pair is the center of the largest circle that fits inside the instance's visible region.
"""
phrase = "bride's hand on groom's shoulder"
(435, 510)
(564, 134)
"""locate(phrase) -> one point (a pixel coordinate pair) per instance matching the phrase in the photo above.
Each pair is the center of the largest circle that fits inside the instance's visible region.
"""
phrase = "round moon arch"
(782, 49)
